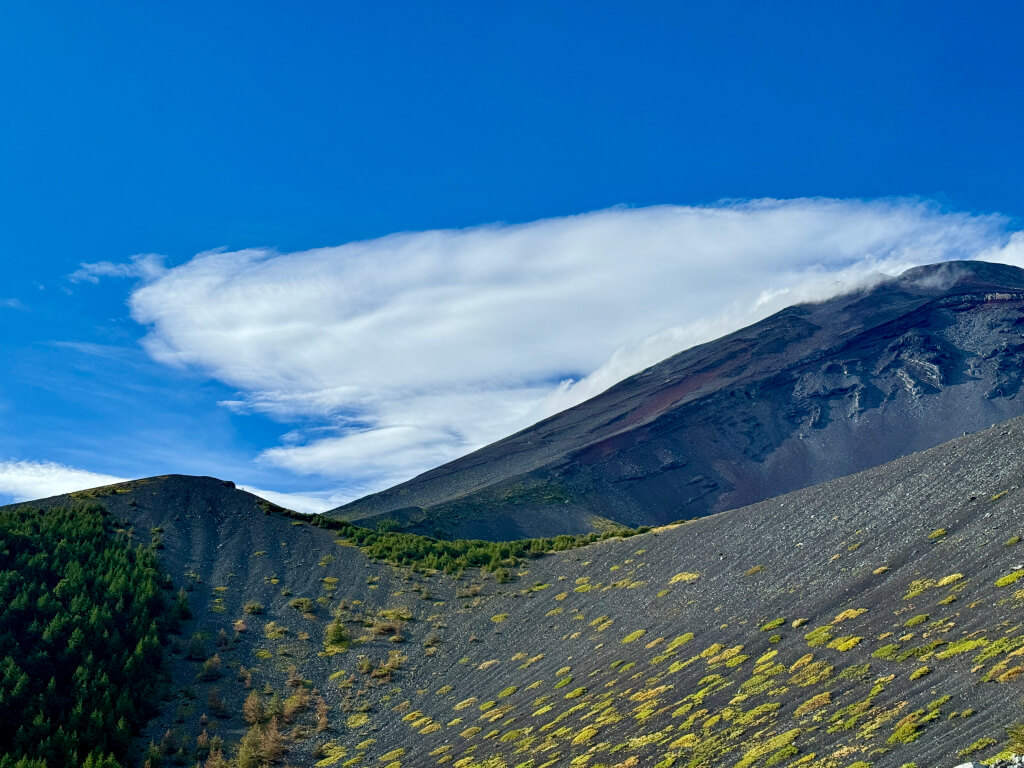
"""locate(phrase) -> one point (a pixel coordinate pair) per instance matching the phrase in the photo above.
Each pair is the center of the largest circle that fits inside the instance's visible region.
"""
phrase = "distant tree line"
(424, 553)
(82, 617)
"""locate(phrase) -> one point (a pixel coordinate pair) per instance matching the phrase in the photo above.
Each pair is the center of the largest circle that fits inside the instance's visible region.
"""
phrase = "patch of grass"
(818, 636)
(1011, 674)
(965, 645)
(684, 577)
(757, 754)
(633, 636)
(845, 643)
(395, 614)
(849, 613)
(813, 704)
(357, 720)
(888, 652)
(1010, 578)
(937, 534)
(980, 744)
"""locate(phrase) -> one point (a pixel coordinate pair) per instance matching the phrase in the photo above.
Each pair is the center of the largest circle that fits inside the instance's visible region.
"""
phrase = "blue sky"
(891, 132)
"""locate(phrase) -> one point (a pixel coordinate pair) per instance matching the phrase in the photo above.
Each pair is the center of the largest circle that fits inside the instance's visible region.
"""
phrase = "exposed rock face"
(812, 393)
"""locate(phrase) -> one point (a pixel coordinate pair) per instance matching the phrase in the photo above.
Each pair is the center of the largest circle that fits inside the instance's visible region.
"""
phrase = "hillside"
(872, 620)
(815, 392)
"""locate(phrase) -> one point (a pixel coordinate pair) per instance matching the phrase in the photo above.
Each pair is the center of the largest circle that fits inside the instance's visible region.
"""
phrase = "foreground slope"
(814, 392)
(872, 620)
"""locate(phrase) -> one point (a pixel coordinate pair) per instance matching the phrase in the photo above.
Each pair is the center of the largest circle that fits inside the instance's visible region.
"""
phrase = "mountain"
(869, 622)
(814, 392)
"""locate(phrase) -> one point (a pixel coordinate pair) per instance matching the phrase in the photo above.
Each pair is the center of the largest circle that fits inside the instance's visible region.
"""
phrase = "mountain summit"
(814, 392)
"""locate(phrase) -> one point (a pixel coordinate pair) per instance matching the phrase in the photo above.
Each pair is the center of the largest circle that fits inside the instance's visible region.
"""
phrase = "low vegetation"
(424, 553)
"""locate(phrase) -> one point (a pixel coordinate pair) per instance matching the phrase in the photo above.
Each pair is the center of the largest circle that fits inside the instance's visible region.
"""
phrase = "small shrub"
(335, 635)
(211, 669)
(274, 631)
(303, 604)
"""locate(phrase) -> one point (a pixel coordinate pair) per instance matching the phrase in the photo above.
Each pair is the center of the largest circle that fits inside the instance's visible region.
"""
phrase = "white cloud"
(27, 480)
(396, 354)
(144, 266)
(13, 304)
(309, 504)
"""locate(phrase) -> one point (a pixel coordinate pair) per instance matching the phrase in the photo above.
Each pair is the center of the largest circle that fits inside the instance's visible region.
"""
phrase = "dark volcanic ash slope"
(814, 392)
(870, 621)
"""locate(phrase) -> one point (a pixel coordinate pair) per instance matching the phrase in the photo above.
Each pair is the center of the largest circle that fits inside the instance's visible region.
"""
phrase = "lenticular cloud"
(393, 355)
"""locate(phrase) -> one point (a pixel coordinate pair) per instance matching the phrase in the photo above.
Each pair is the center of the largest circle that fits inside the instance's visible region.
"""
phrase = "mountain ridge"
(813, 392)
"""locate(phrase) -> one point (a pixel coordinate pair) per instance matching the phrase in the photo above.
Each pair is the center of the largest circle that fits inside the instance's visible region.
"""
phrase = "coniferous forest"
(82, 612)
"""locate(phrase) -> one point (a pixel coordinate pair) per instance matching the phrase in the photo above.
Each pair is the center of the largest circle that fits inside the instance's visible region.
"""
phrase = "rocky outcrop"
(1017, 761)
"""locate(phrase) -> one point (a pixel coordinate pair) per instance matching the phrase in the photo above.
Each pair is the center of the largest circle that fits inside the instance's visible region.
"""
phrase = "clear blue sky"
(136, 127)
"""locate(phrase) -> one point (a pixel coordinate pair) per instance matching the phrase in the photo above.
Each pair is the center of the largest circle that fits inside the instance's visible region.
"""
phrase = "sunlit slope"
(874, 618)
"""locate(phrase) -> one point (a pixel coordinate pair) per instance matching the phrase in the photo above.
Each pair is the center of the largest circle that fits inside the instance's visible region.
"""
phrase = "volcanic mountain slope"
(870, 621)
(814, 392)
